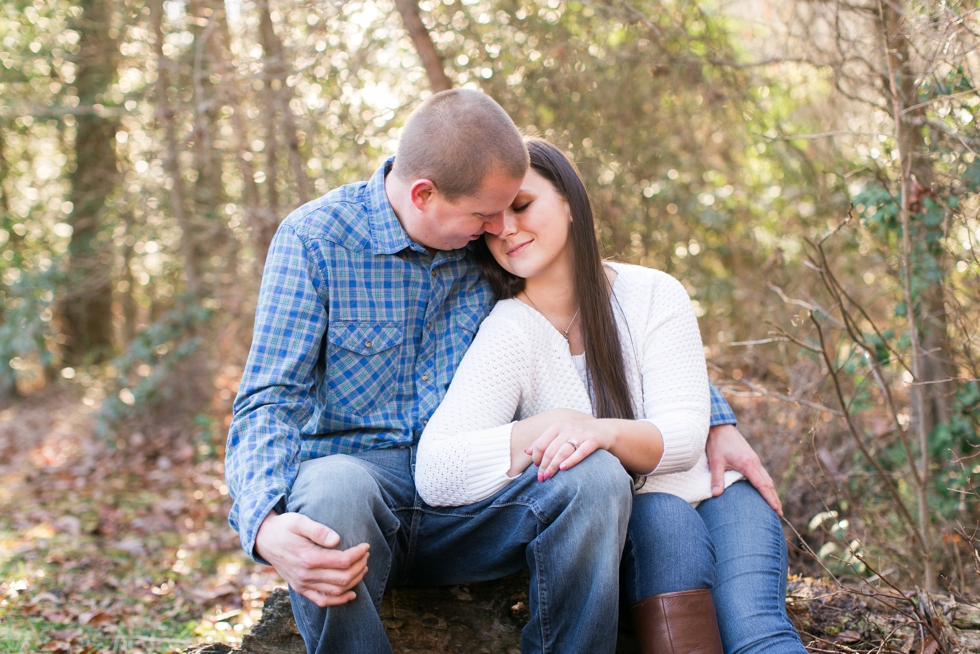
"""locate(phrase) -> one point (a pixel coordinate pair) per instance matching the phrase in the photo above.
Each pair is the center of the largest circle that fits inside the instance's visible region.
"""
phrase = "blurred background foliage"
(809, 171)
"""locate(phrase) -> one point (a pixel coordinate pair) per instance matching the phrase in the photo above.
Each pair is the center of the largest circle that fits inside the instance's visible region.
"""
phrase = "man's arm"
(728, 450)
(263, 455)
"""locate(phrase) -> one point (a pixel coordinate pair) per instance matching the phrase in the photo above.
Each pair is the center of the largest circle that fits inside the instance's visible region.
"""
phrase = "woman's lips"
(513, 252)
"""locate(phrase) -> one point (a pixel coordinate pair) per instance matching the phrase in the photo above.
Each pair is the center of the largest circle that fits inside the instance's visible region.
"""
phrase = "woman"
(589, 356)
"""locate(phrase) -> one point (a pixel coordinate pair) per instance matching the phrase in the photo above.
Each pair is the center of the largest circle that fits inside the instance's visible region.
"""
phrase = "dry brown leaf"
(848, 637)
(215, 593)
(58, 617)
(67, 635)
(95, 618)
(930, 646)
(56, 646)
(44, 597)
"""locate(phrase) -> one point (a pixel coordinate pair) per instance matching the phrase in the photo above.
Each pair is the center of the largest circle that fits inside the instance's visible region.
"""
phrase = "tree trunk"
(279, 94)
(87, 302)
(426, 49)
(262, 223)
(899, 88)
(8, 377)
(208, 194)
(931, 298)
(165, 118)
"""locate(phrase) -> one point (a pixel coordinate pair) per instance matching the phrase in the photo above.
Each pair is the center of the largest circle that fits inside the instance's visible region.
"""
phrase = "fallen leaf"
(214, 593)
(848, 637)
(67, 635)
(44, 597)
(95, 618)
(56, 646)
(58, 617)
(930, 646)
(68, 524)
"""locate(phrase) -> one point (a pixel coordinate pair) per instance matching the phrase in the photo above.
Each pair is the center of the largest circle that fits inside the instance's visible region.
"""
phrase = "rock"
(482, 618)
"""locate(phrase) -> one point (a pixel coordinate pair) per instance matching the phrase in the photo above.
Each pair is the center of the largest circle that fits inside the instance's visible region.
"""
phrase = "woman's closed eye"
(521, 207)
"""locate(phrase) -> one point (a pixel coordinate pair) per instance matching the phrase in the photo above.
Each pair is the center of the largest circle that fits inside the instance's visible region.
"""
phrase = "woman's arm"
(464, 454)
(675, 377)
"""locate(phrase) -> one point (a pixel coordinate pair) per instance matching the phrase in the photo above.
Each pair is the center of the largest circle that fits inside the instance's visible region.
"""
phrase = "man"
(367, 305)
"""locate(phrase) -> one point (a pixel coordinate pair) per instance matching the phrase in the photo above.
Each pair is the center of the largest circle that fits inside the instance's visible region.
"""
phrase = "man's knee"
(340, 493)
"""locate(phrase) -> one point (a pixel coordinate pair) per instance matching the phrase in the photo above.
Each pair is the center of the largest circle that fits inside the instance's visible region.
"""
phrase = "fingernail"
(540, 477)
(561, 466)
(527, 450)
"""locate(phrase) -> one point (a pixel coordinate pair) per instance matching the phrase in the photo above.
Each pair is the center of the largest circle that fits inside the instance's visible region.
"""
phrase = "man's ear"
(422, 192)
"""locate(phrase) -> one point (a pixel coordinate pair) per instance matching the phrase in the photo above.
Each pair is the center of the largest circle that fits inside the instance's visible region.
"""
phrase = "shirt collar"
(387, 234)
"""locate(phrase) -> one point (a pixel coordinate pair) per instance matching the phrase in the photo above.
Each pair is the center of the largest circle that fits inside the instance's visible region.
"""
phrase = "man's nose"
(494, 223)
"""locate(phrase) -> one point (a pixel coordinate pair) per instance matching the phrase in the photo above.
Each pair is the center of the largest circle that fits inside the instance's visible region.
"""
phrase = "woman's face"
(534, 239)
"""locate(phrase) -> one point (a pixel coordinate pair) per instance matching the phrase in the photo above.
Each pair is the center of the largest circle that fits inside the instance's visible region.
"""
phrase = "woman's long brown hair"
(603, 353)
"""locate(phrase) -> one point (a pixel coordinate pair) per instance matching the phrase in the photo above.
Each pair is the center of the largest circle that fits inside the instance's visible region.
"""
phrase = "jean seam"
(541, 586)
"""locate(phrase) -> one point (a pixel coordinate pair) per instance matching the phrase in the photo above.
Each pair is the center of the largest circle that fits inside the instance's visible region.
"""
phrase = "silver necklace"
(564, 332)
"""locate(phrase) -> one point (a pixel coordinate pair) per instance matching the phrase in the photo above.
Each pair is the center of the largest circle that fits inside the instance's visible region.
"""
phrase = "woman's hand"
(558, 439)
(566, 443)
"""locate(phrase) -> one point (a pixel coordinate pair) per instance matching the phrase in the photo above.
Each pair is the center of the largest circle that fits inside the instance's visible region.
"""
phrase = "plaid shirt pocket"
(362, 359)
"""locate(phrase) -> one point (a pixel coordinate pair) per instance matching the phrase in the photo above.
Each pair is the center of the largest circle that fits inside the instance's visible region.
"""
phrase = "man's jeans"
(733, 544)
(568, 530)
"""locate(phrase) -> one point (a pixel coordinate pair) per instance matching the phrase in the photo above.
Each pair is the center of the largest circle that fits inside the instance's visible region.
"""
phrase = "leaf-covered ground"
(115, 547)
(123, 546)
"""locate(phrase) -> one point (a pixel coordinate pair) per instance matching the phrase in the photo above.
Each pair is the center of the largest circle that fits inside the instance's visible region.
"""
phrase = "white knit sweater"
(519, 366)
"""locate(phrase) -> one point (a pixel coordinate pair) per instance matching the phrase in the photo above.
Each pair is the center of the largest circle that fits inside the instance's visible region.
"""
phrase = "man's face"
(445, 225)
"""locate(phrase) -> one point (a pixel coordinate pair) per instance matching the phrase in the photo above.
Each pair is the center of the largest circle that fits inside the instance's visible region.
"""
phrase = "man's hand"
(302, 551)
(728, 450)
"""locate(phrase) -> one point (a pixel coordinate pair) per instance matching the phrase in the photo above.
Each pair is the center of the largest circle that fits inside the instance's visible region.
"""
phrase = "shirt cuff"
(487, 462)
(721, 411)
(249, 530)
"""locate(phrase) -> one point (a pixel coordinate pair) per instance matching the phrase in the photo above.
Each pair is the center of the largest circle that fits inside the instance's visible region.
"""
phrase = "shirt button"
(433, 273)
(368, 344)
(428, 325)
(425, 422)
(425, 378)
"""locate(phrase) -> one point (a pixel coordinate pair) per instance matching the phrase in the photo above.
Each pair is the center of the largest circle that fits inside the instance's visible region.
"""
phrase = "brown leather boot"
(677, 623)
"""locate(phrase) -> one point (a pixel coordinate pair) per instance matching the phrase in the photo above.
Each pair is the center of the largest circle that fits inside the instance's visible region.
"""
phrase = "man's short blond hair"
(457, 137)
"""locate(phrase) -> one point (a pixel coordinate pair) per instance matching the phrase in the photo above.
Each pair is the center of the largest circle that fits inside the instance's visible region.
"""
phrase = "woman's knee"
(668, 548)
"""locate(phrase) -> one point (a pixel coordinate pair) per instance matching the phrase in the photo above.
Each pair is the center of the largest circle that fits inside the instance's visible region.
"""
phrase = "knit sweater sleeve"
(675, 377)
(464, 453)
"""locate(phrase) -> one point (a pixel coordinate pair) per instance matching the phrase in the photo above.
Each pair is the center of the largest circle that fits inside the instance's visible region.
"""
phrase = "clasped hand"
(566, 443)
(304, 553)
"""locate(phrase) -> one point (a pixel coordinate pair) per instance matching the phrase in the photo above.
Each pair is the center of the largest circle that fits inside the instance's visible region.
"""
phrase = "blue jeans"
(569, 531)
(733, 544)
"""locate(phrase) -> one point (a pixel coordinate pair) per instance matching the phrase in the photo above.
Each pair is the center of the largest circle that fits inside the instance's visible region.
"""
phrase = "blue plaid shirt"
(358, 332)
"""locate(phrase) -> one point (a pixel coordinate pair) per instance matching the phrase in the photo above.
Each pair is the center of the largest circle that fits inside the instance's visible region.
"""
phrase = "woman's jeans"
(733, 544)
(568, 530)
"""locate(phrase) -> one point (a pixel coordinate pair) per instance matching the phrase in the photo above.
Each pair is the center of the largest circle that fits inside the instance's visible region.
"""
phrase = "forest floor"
(124, 547)
(115, 547)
